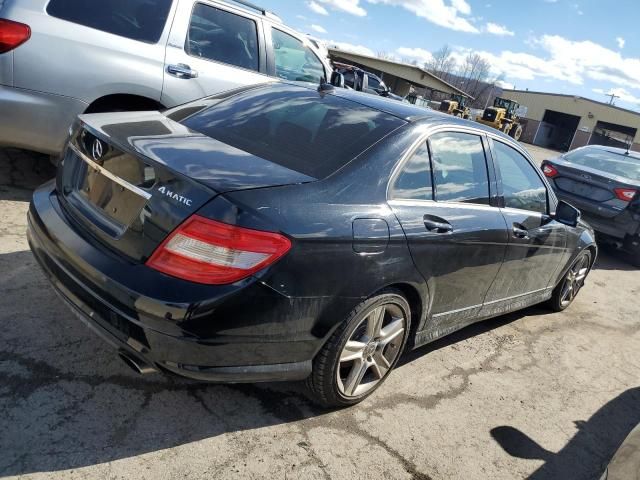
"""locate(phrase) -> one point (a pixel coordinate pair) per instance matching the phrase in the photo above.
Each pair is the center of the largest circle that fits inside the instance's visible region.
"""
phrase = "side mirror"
(337, 79)
(566, 214)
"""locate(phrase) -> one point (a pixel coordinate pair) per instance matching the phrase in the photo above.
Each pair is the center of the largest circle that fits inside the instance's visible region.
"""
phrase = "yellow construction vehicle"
(503, 116)
(456, 106)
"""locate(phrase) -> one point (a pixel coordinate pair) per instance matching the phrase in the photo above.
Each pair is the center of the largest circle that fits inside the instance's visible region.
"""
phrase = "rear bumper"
(193, 339)
(35, 120)
(620, 226)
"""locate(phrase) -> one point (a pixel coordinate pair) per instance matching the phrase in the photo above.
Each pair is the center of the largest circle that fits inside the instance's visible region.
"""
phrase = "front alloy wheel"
(362, 351)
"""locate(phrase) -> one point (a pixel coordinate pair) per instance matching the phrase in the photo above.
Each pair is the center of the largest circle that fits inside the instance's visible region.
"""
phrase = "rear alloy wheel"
(360, 354)
(573, 281)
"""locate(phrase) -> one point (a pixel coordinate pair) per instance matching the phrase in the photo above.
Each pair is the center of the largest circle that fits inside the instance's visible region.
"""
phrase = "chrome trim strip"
(123, 183)
(518, 296)
(451, 312)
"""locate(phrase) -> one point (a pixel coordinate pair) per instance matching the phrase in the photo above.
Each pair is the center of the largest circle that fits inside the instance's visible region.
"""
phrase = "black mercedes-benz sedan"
(288, 232)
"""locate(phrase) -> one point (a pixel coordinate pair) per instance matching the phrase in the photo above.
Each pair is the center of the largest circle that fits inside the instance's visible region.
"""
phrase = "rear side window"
(459, 167)
(218, 35)
(414, 180)
(141, 20)
(298, 128)
(294, 61)
(521, 185)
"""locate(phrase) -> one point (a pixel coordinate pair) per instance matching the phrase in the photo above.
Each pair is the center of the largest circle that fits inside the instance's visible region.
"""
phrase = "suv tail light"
(625, 194)
(549, 170)
(12, 34)
(205, 251)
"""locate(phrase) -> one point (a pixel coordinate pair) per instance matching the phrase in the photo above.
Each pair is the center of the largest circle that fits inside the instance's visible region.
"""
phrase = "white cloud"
(349, 6)
(361, 49)
(620, 42)
(318, 28)
(621, 93)
(317, 8)
(500, 30)
(419, 54)
(505, 85)
(440, 12)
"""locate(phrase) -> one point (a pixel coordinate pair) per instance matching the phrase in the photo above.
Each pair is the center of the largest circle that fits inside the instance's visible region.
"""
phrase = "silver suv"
(60, 58)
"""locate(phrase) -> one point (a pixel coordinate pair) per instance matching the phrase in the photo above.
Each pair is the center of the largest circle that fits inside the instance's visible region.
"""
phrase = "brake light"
(205, 251)
(625, 194)
(549, 170)
(12, 34)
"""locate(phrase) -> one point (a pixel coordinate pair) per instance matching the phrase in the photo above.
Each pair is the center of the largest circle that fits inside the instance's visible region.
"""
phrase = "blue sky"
(586, 48)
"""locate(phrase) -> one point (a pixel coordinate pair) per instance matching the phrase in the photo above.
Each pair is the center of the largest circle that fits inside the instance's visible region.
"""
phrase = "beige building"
(399, 77)
(564, 122)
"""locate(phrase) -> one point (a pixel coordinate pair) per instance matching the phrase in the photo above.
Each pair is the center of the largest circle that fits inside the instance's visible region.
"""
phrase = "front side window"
(218, 35)
(522, 187)
(142, 20)
(459, 167)
(414, 180)
(294, 61)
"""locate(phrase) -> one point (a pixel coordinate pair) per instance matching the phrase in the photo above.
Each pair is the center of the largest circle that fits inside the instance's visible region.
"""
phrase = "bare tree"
(443, 64)
(474, 73)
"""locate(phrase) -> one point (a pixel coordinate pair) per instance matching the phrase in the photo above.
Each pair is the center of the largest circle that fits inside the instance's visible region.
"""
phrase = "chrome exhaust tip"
(136, 364)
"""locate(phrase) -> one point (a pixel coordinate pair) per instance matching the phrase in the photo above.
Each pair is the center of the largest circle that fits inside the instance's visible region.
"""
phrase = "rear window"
(297, 128)
(141, 20)
(609, 162)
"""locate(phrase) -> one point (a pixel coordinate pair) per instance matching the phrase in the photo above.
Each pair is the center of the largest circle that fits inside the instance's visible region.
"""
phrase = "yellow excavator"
(456, 106)
(503, 116)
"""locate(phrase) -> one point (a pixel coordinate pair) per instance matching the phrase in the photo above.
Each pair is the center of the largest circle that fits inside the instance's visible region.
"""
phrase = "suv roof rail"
(253, 6)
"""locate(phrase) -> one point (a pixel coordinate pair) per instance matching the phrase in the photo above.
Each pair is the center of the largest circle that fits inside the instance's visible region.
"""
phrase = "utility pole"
(613, 97)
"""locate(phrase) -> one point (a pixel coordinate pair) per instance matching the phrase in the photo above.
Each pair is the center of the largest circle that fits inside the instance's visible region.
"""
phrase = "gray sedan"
(604, 183)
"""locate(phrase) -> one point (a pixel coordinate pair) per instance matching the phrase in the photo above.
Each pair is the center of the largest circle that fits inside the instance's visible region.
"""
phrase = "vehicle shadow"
(67, 402)
(21, 172)
(587, 454)
(610, 258)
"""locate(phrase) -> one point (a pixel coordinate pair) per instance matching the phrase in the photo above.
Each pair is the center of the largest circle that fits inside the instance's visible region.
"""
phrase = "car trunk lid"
(130, 179)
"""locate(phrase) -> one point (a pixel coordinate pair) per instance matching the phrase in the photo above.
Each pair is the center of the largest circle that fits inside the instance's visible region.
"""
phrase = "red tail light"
(549, 170)
(625, 194)
(214, 253)
(12, 34)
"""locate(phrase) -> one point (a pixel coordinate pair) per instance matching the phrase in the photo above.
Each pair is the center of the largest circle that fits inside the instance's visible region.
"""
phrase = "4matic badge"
(174, 196)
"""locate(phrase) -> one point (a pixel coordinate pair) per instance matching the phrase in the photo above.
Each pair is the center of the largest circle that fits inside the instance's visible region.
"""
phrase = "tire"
(570, 285)
(516, 132)
(344, 375)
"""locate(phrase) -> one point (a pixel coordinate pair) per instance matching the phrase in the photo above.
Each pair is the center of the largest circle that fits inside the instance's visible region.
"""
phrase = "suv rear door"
(291, 58)
(212, 48)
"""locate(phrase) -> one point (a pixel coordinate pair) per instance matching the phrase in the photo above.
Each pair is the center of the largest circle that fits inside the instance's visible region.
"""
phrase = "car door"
(536, 242)
(212, 48)
(443, 197)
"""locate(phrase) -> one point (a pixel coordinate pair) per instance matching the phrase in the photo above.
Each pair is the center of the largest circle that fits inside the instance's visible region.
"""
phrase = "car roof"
(619, 151)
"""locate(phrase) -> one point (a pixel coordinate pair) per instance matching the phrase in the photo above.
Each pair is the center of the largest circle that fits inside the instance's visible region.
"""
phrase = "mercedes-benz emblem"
(97, 150)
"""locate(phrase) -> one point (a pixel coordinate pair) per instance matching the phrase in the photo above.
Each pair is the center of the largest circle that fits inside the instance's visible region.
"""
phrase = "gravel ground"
(532, 394)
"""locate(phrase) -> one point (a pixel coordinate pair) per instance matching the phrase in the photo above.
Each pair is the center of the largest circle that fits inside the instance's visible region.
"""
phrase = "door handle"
(181, 71)
(519, 231)
(437, 225)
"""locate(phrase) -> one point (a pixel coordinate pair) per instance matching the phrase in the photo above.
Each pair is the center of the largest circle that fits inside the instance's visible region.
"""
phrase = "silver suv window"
(218, 35)
(294, 61)
(141, 20)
